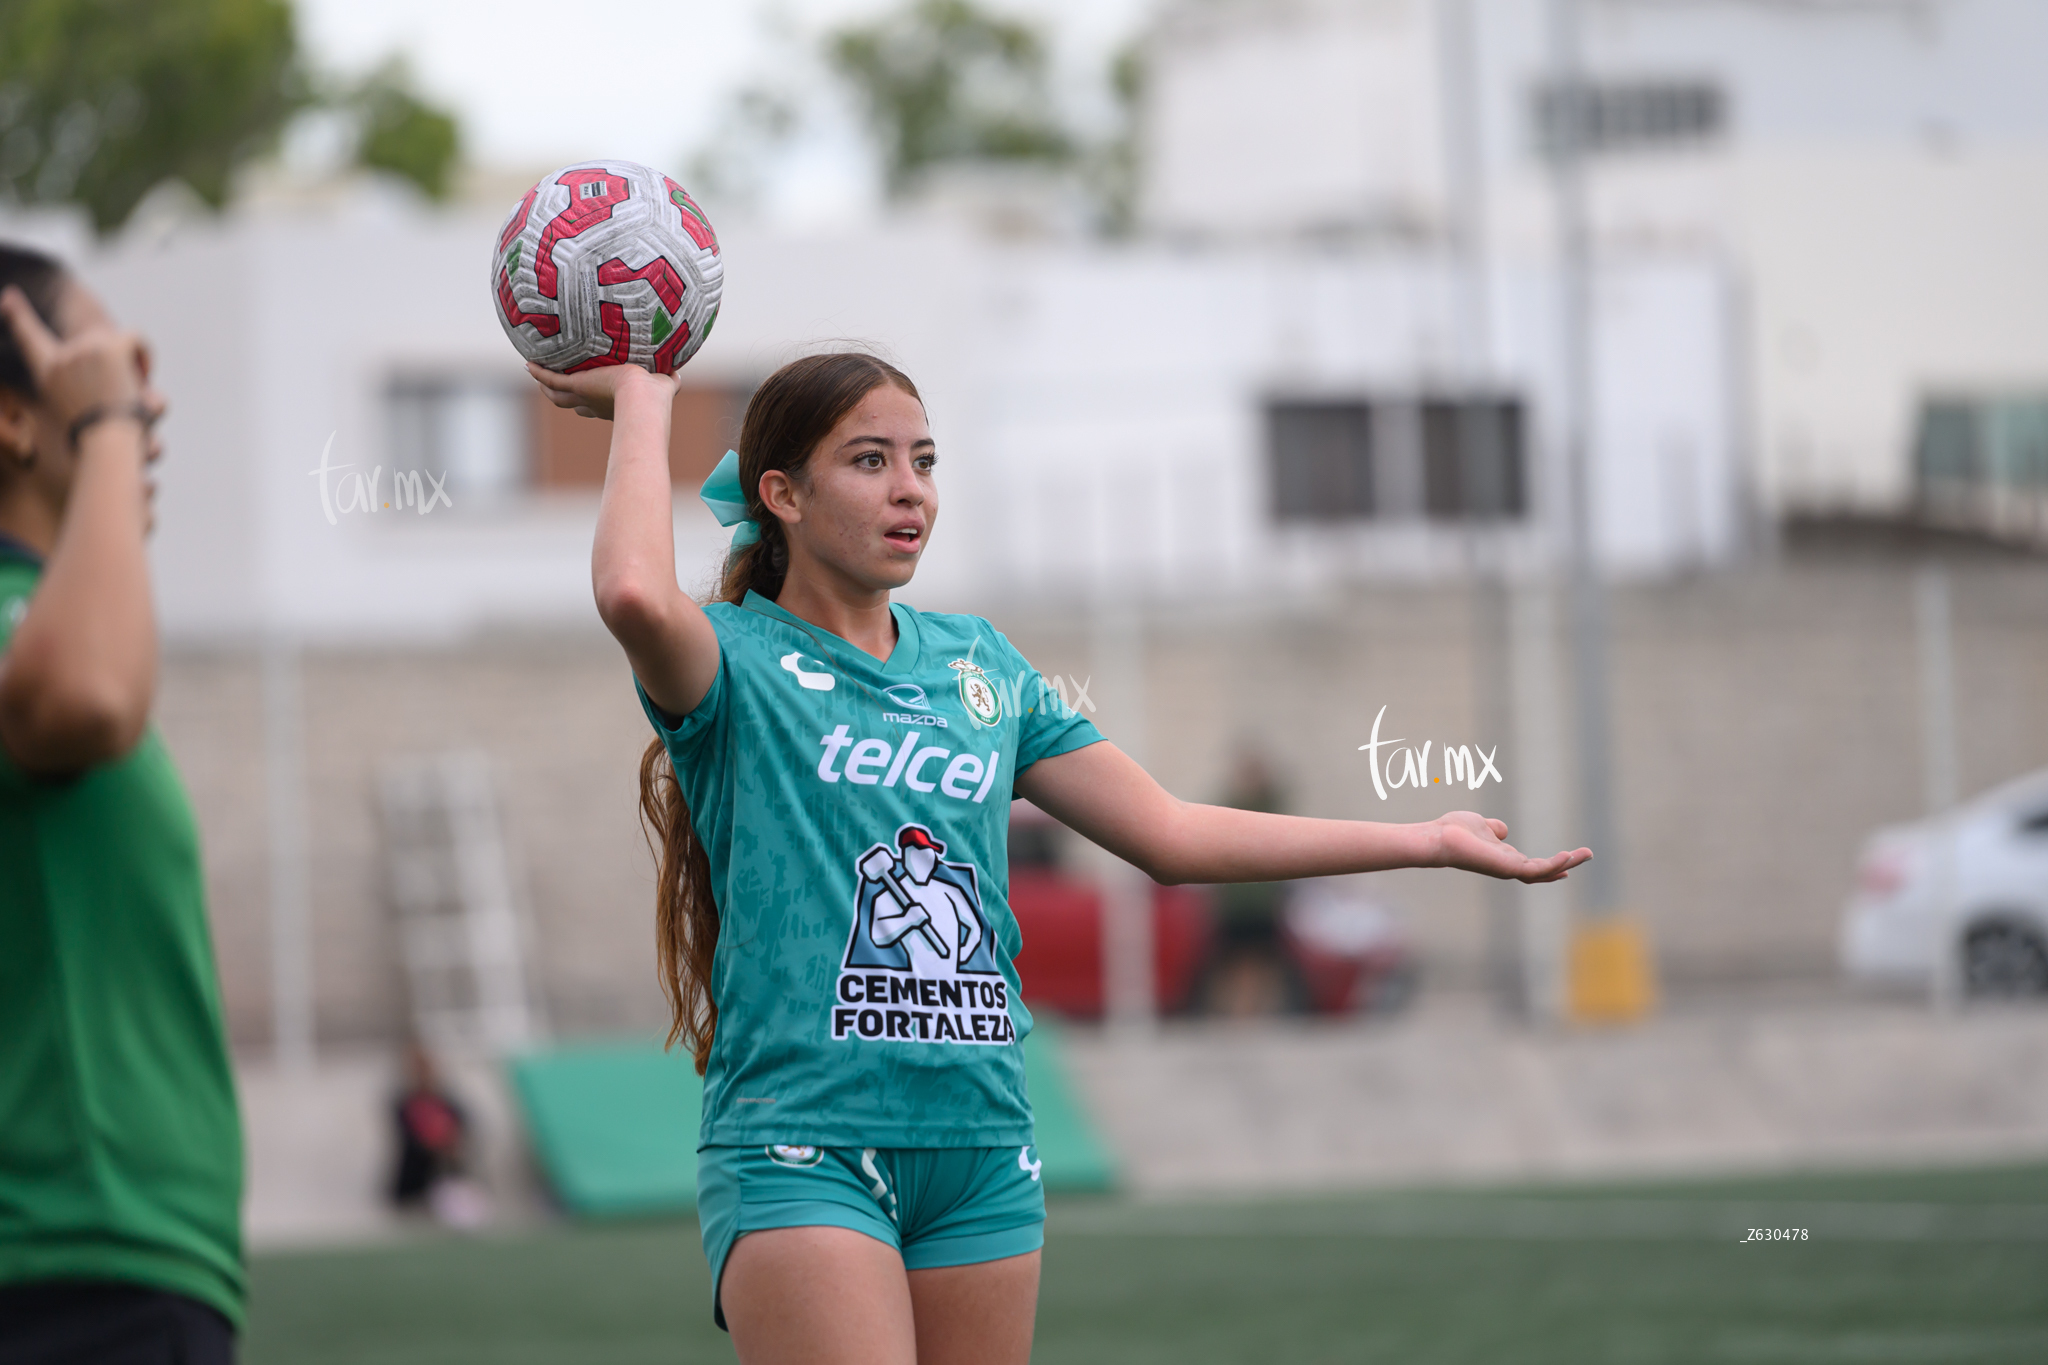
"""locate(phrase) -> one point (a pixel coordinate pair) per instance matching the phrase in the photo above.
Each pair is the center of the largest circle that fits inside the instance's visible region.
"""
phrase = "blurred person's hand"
(595, 393)
(96, 366)
(1474, 843)
(80, 668)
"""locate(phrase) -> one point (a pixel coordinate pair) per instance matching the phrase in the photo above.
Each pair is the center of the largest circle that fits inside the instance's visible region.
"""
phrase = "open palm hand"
(1473, 842)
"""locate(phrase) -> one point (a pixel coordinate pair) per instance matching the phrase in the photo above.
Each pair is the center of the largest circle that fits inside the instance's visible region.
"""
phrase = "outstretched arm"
(1100, 792)
(667, 637)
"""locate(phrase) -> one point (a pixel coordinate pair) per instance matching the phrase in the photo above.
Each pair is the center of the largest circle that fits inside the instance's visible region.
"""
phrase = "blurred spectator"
(1347, 949)
(120, 1146)
(433, 1148)
(1250, 972)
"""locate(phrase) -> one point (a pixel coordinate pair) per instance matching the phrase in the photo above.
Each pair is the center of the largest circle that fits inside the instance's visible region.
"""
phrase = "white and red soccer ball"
(607, 263)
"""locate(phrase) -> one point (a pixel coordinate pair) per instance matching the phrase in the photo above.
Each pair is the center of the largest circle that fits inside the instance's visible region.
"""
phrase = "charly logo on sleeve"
(814, 679)
(920, 961)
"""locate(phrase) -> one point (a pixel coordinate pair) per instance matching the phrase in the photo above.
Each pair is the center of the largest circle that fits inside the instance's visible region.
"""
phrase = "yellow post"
(1609, 977)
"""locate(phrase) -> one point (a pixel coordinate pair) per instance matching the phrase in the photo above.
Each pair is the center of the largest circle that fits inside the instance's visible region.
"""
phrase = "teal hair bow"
(728, 501)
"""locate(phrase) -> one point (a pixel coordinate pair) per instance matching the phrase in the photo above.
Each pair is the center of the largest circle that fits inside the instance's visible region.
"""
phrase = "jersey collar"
(902, 659)
(10, 548)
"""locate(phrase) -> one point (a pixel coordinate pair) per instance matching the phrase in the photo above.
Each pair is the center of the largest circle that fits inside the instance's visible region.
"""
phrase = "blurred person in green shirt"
(120, 1146)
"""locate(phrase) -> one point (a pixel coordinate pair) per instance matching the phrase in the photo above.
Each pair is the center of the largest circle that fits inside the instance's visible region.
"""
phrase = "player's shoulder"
(949, 629)
(735, 622)
(726, 613)
(747, 639)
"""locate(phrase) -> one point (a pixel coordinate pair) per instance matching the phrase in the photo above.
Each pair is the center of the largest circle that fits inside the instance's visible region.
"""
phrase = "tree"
(943, 81)
(758, 123)
(401, 133)
(1110, 167)
(101, 101)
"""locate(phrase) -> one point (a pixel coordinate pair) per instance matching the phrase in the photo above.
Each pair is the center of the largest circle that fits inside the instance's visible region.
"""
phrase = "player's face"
(867, 508)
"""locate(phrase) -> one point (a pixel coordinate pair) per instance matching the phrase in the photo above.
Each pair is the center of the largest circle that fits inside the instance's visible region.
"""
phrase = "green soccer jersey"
(120, 1149)
(855, 812)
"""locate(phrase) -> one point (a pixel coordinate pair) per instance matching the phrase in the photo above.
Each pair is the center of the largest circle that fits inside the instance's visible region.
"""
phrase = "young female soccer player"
(831, 788)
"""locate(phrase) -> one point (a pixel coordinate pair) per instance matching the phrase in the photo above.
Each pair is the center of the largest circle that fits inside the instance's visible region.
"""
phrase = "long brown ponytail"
(787, 418)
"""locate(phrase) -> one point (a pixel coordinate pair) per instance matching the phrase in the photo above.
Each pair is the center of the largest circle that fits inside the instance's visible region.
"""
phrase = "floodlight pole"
(1599, 885)
(1117, 653)
(1935, 635)
(1465, 185)
(291, 932)
(1464, 169)
(1934, 628)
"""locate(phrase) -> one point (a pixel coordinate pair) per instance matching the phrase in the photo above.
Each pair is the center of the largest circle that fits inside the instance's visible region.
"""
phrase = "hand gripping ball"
(607, 263)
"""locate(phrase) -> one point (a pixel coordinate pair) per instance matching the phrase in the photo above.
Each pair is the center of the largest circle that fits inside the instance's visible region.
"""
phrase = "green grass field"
(1948, 1267)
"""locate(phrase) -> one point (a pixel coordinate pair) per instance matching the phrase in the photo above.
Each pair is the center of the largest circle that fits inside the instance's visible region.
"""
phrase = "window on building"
(1996, 441)
(488, 439)
(1445, 457)
(1321, 460)
(1624, 116)
(570, 451)
(1980, 462)
(471, 432)
(1472, 457)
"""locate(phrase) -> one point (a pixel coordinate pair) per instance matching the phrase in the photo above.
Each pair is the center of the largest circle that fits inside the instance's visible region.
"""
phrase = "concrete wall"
(557, 716)
(1764, 723)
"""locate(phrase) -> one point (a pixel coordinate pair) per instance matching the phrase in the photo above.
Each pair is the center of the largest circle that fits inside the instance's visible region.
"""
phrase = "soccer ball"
(607, 263)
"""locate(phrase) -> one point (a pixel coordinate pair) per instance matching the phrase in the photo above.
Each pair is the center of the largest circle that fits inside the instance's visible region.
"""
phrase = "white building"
(1871, 174)
(1102, 411)
(1331, 353)
(1334, 343)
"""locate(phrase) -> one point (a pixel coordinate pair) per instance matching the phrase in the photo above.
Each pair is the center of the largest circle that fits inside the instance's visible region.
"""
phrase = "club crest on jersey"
(920, 962)
(977, 693)
(796, 1157)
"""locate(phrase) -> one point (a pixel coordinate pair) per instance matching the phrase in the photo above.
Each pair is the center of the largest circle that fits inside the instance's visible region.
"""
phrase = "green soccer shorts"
(937, 1206)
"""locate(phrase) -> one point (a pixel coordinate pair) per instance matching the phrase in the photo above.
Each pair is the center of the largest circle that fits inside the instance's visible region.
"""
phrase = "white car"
(1973, 882)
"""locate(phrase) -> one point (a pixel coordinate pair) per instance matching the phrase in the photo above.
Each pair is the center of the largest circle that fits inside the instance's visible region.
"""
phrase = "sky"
(540, 82)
